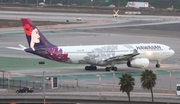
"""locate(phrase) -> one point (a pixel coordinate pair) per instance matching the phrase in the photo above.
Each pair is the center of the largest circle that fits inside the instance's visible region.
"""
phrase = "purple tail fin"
(34, 37)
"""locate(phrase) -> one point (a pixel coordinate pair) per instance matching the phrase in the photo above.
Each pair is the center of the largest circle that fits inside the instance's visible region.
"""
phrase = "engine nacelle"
(138, 63)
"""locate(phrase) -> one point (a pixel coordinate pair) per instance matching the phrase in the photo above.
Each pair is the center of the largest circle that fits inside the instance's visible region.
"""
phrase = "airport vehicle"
(112, 6)
(177, 89)
(42, 4)
(134, 55)
(59, 4)
(139, 5)
(78, 18)
(25, 90)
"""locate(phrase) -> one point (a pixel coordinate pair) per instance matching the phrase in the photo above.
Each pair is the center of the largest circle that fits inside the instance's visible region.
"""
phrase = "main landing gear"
(91, 67)
(106, 69)
(111, 68)
(158, 64)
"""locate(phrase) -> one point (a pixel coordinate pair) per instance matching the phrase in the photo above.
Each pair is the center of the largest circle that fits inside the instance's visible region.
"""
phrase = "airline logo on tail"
(33, 33)
(34, 37)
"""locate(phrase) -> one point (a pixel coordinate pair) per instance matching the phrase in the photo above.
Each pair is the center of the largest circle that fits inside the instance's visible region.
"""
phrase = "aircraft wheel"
(17, 91)
(41, 62)
(87, 68)
(94, 67)
(114, 68)
(90, 68)
(107, 69)
(157, 65)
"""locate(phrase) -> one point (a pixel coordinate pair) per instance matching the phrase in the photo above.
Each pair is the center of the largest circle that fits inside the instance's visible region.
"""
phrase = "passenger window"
(170, 49)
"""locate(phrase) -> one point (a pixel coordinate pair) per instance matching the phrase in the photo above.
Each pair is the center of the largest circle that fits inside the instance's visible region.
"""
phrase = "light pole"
(113, 72)
(99, 85)
(44, 88)
(8, 80)
(60, 81)
(3, 79)
(36, 2)
(91, 3)
(68, 2)
(76, 83)
(170, 78)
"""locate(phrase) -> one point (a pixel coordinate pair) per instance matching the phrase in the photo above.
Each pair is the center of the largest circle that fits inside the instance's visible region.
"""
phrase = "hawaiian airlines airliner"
(134, 55)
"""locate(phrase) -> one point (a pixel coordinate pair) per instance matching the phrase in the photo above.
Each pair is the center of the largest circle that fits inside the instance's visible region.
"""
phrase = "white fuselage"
(97, 53)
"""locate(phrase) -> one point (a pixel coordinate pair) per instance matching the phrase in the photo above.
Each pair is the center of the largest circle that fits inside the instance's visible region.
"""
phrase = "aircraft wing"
(124, 57)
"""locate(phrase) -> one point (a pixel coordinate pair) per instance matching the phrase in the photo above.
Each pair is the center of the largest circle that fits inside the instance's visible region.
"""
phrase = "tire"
(87, 68)
(17, 91)
(115, 68)
(107, 69)
(41, 62)
(157, 65)
(94, 67)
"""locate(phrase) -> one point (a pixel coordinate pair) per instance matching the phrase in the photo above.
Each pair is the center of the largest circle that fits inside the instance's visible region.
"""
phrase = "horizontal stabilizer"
(22, 46)
(16, 48)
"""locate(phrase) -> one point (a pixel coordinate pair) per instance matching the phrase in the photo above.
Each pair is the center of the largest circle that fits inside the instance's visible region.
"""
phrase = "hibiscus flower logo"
(28, 29)
(56, 54)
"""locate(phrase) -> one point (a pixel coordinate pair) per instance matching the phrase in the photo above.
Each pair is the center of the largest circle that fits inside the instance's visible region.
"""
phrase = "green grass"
(8, 63)
(165, 5)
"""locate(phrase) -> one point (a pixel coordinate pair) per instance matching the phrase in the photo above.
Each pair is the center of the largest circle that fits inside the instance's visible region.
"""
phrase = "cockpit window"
(170, 49)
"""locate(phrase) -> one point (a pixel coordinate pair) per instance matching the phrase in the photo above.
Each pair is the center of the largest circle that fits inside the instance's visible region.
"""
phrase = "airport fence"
(13, 85)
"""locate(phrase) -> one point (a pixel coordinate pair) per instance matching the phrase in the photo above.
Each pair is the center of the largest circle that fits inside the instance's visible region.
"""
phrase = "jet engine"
(138, 63)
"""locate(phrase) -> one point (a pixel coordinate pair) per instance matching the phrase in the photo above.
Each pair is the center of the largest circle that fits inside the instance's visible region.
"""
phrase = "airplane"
(134, 55)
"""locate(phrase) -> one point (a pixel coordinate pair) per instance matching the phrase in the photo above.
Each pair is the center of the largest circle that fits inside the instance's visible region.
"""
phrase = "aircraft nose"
(172, 52)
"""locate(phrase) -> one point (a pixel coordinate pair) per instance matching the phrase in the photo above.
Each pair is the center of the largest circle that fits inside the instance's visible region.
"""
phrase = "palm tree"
(148, 80)
(126, 84)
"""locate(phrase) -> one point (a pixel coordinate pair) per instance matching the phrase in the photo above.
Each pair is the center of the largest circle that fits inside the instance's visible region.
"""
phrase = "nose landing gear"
(158, 64)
